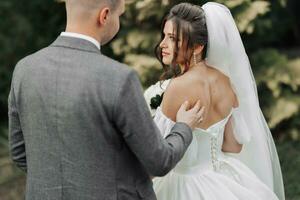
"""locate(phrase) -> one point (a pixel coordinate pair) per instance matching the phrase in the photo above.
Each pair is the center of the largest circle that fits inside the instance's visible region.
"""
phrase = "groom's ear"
(103, 16)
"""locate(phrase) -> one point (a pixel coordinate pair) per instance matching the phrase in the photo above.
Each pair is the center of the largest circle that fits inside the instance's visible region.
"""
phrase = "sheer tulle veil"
(226, 53)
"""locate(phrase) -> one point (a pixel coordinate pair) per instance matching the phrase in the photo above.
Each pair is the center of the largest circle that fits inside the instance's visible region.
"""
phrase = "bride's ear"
(198, 49)
(103, 16)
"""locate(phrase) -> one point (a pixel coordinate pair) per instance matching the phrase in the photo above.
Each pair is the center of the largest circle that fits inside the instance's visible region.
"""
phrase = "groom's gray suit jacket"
(80, 127)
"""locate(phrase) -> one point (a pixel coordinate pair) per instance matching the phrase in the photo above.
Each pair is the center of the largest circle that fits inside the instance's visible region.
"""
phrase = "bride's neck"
(200, 64)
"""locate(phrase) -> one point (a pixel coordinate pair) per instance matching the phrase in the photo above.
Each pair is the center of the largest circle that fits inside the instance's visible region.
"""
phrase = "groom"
(78, 123)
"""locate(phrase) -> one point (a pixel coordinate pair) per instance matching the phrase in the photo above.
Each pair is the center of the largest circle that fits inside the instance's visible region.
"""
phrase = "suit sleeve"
(133, 119)
(16, 139)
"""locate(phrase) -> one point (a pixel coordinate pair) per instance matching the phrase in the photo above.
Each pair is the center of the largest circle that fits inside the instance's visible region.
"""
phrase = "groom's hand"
(191, 117)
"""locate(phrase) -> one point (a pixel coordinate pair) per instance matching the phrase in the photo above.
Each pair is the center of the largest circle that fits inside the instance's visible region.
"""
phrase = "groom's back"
(66, 99)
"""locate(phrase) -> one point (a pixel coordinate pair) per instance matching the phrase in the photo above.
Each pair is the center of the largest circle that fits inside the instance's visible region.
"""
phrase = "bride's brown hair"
(189, 22)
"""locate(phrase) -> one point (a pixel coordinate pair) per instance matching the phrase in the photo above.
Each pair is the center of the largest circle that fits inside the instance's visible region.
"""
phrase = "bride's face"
(167, 45)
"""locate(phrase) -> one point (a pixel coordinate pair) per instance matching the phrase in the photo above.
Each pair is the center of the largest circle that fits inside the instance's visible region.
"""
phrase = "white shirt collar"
(81, 36)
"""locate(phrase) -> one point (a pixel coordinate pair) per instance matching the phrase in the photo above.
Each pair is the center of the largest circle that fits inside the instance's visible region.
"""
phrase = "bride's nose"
(163, 44)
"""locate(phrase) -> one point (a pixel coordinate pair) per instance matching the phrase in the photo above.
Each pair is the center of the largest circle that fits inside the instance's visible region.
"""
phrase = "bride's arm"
(230, 144)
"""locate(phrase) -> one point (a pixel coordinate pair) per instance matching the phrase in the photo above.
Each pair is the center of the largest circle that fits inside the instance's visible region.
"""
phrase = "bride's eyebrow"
(169, 34)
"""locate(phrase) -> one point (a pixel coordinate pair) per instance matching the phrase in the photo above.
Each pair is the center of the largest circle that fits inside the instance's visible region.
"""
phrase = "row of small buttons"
(213, 151)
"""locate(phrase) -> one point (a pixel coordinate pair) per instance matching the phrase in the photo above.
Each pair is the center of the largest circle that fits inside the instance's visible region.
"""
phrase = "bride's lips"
(164, 53)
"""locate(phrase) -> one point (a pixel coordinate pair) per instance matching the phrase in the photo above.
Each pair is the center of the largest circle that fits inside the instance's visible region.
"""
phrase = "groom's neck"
(84, 30)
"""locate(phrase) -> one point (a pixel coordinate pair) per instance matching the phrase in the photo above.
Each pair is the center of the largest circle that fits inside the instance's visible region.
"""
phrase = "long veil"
(226, 53)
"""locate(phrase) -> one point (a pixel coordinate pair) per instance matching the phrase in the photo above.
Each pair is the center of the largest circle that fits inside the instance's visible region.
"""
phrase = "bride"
(232, 155)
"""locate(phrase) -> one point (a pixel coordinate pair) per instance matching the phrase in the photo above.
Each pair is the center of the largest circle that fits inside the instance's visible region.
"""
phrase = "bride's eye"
(172, 38)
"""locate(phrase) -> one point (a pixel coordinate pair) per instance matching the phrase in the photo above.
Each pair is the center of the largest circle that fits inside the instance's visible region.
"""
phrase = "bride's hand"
(191, 117)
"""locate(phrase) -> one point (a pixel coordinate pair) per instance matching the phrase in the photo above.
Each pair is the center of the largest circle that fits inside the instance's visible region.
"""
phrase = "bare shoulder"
(221, 87)
(181, 89)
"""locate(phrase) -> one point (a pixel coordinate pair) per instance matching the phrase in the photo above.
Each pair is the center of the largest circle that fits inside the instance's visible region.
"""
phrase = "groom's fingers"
(200, 114)
(201, 111)
(184, 106)
(197, 107)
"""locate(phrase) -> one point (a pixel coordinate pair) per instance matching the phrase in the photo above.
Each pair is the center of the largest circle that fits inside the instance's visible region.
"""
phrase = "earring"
(195, 59)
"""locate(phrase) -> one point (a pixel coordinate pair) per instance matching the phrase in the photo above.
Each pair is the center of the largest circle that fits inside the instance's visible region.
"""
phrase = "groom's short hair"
(113, 3)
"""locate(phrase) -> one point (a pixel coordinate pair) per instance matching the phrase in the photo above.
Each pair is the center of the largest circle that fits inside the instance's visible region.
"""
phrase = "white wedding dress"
(205, 172)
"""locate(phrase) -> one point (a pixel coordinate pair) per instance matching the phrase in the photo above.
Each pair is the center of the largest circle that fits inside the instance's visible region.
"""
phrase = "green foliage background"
(270, 30)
